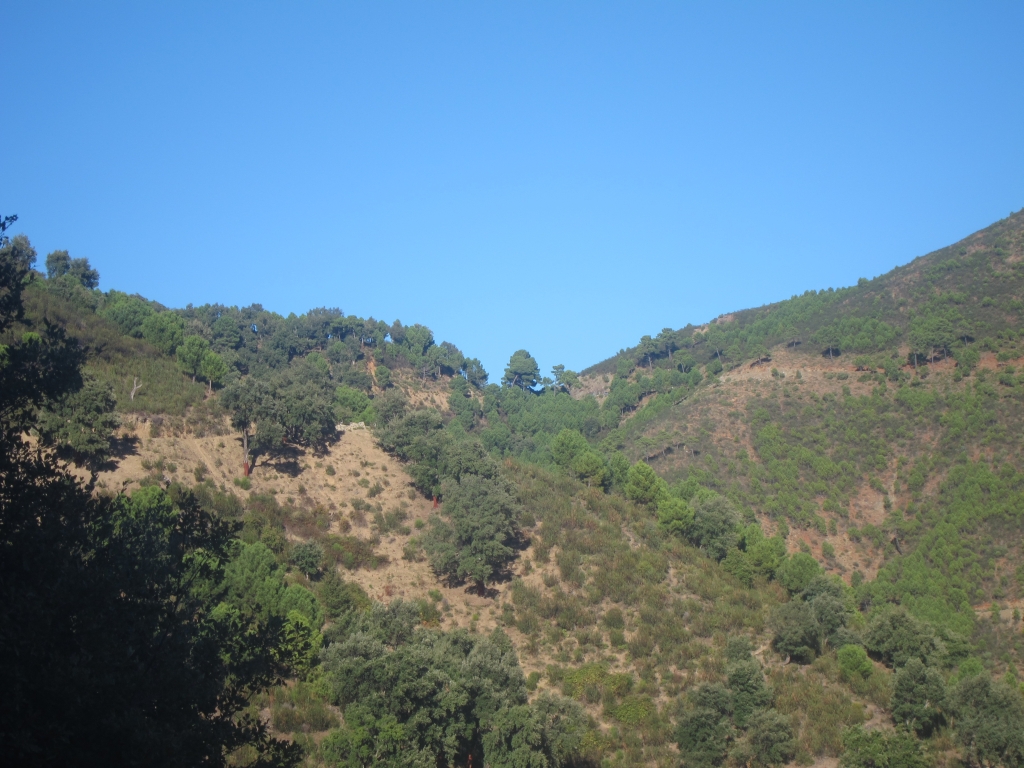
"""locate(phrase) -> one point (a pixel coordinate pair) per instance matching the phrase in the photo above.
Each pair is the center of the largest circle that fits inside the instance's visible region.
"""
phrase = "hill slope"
(693, 612)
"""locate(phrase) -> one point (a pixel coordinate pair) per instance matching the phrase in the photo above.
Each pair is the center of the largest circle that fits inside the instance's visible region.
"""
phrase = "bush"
(854, 662)
(308, 557)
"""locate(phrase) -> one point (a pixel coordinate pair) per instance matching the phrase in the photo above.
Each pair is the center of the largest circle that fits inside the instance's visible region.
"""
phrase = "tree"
(797, 633)
(797, 571)
(474, 372)
(704, 732)
(675, 516)
(989, 721)
(522, 371)
(897, 637)
(308, 557)
(854, 662)
(82, 271)
(127, 312)
(164, 330)
(590, 467)
(58, 264)
(643, 484)
(545, 734)
(770, 740)
(714, 525)
(80, 423)
(918, 697)
(113, 602)
(213, 368)
(476, 537)
(749, 692)
(878, 749)
(566, 446)
(565, 378)
(646, 349)
(191, 354)
(351, 405)
(250, 404)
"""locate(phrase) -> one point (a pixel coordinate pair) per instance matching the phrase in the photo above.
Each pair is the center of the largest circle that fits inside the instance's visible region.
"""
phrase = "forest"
(791, 536)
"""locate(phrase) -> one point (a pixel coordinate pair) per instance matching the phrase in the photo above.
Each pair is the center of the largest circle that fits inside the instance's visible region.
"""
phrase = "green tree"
(643, 484)
(918, 697)
(797, 633)
(896, 636)
(164, 330)
(590, 468)
(704, 732)
(80, 423)
(127, 312)
(749, 691)
(564, 377)
(879, 749)
(675, 516)
(522, 371)
(989, 721)
(58, 264)
(474, 372)
(475, 537)
(213, 368)
(191, 354)
(308, 557)
(251, 407)
(854, 662)
(567, 445)
(770, 740)
(797, 571)
(82, 271)
(351, 405)
(255, 582)
(714, 527)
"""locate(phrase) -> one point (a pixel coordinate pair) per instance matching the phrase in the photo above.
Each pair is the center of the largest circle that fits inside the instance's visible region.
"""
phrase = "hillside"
(789, 536)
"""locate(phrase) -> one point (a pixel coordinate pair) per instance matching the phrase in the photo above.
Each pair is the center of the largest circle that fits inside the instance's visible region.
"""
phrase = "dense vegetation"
(660, 533)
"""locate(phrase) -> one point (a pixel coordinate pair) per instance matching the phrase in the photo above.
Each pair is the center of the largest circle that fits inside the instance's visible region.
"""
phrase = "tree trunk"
(245, 450)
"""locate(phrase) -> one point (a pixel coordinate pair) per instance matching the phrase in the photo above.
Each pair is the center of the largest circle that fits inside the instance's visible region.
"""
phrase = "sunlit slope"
(865, 421)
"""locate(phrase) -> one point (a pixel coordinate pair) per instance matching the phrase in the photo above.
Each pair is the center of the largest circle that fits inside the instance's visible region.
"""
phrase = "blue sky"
(563, 177)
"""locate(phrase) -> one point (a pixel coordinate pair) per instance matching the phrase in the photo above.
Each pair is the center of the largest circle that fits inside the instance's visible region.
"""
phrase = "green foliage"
(522, 371)
(989, 721)
(80, 423)
(351, 405)
(897, 637)
(705, 732)
(817, 617)
(918, 697)
(164, 330)
(797, 571)
(190, 355)
(770, 739)
(475, 538)
(411, 694)
(308, 557)
(854, 661)
(213, 368)
(128, 313)
(643, 484)
(881, 749)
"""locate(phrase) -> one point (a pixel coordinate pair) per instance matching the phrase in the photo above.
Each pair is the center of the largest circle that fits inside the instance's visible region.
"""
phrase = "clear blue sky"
(563, 177)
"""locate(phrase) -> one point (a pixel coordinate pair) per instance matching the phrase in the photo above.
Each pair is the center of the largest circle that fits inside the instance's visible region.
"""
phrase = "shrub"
(854, 662)
(308, 557)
